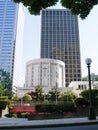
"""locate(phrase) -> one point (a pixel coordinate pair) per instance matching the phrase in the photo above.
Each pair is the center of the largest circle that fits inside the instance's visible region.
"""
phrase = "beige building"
(45, 73)
(79, 86)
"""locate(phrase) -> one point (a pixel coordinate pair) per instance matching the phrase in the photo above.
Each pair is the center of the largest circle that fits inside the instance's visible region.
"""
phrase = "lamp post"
(92, 116)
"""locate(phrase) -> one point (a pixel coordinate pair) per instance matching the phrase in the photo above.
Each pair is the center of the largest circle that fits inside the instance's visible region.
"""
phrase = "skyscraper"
(11, 35)
(60, 40)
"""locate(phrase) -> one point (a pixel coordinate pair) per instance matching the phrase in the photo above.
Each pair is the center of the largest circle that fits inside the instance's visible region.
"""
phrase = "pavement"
(12, 123)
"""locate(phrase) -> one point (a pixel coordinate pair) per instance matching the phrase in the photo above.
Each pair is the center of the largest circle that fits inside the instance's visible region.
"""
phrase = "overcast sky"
(88, 32)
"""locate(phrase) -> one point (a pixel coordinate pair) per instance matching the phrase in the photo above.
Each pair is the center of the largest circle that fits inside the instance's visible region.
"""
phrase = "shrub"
(14, 115)
(45, 102)
(27, 97)
(81, 102)
(95, 102)
(69, 107)
(3, 97)
(59, 108)
(56, 108)
(24, 115)
(8, 115)
(40, 107)
(51, 108)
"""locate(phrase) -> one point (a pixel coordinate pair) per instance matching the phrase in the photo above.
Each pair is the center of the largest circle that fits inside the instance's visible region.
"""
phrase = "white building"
(21, 91)
(17, 75)
(45, 73)
(79, 86)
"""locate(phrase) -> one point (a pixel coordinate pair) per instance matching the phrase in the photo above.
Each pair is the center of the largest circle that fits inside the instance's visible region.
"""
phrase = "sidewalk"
(24, 123)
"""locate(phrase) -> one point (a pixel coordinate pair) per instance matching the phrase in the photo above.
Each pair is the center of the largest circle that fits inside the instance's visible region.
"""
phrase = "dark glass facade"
(60, 40)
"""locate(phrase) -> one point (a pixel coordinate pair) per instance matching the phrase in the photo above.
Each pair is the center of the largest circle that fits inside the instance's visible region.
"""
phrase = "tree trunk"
(0, 113)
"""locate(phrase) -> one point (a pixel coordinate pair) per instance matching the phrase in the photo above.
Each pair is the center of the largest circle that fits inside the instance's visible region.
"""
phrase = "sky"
(88, 34)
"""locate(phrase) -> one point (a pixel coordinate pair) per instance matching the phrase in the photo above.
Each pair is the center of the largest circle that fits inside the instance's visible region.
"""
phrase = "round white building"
(45, 73)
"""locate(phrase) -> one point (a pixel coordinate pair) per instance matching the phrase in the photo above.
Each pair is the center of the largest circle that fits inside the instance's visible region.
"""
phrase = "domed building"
(45, 73)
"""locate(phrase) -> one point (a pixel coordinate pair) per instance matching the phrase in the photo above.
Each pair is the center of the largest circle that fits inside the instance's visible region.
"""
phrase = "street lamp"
(92, 116)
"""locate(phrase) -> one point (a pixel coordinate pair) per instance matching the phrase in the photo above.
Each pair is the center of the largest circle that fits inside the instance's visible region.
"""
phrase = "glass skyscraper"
(60, 40)
(11, 35)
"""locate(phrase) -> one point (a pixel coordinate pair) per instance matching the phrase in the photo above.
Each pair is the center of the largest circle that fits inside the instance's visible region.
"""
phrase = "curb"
(49, 125)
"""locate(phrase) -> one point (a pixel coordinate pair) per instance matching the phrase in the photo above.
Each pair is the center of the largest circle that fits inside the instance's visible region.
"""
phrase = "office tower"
(60, 40)
(11, 35)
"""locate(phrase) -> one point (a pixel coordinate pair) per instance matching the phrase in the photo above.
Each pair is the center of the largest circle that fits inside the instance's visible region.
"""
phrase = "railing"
(32, 103)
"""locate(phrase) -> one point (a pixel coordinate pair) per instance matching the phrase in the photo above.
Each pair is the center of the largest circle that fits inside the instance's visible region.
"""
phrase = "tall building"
(60, 40)
(11, 36)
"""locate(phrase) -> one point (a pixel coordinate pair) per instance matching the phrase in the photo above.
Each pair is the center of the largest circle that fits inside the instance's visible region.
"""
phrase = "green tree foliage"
(53, 94)
(77, 7)
(5, 80)
(85, 79)
(73, 94)
(68, 96)
(93, 78)
(80, 101)
(2, 106)
(96, 78)
(27, 97)
(45, 101)
(8, 93)
(35, 6)
(5, 84)
(39, 93)
(33, 95)
(55, 108)
(94, 94)
(16, 97)
(1, 90)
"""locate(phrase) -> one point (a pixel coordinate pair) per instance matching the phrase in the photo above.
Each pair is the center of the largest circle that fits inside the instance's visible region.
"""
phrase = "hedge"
(57, 108)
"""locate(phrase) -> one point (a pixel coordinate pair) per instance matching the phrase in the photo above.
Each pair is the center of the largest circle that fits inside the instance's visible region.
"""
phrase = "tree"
(1, 90)
(2, 106)
(77, 7)
(96, 78)
(81, 102)
(15, 97)
(68, 96)
(54, 94)
(72, 94)
(93, 78)
(5, 84)
(5, 80)
(39, 93)
(35, 6)
(27, 97)
(94, 94)
(8, 93)
(85, 79)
